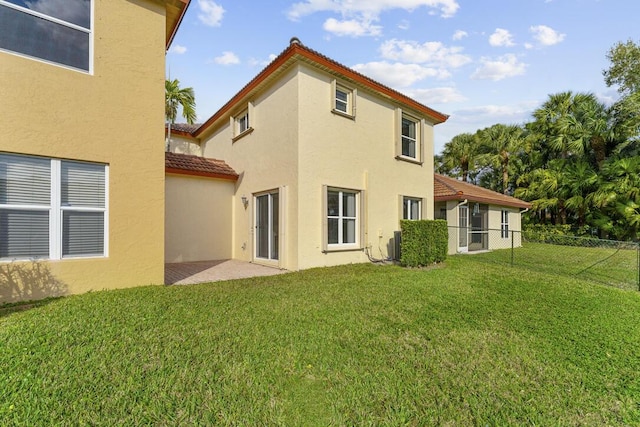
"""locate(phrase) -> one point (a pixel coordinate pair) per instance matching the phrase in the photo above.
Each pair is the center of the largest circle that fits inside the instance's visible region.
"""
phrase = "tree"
(625, 67)
(175, 97)
(499, 145)
(459, 156)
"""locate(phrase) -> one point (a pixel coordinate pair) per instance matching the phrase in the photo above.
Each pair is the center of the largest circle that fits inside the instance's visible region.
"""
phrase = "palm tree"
(459, 156)
(500, 145)
(175, 97)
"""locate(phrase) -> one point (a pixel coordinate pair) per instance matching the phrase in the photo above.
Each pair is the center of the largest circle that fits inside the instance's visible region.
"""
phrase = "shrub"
(423, 242)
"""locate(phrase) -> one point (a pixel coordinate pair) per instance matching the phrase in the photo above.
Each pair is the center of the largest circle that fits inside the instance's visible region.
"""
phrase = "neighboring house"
(328, 161)
(81, 157)
(478, 218)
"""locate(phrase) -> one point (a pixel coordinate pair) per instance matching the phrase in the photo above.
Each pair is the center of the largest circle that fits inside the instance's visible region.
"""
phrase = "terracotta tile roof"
(185, 164)
(184, 127)
(299, 52)
(445, 188)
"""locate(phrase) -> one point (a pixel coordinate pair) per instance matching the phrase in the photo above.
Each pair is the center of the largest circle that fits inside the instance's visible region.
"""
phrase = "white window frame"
(400, 137)
(89, 31)
(242, 122)
(504, 224)
(57, 210)
(359, 209)
(407, 203)
(350, 110)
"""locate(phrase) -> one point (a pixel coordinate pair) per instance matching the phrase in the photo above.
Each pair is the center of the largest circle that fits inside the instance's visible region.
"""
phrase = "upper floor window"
(409, 137)
(411, 208)
(242, 121)
(52, 208)
(60, 35)
(343, 100)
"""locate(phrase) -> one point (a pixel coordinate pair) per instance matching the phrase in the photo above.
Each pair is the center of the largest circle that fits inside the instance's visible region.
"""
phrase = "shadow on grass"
(27, 281)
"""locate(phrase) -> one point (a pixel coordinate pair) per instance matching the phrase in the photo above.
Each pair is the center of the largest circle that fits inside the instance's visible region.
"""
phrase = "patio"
(188, 273)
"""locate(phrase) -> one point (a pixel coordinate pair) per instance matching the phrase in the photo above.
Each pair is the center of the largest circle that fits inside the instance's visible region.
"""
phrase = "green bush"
(423, 242)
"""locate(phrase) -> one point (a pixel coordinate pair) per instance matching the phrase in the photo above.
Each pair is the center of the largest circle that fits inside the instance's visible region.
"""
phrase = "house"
(81, 165)
(478, 218)
(328, 161)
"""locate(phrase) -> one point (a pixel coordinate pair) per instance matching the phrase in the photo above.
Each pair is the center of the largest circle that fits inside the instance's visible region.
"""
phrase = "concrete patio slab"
(188, 273)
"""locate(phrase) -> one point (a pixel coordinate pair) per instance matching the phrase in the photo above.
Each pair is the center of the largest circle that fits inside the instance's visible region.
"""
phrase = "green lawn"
(470, 343)
(603, 265)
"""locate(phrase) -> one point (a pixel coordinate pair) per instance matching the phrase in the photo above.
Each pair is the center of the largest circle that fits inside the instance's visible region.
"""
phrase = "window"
(409, 137)
(242, 121)
(51, 208)
(342, 217)
(61, 35)
(343, 100)
(504, 224)
(411, 208)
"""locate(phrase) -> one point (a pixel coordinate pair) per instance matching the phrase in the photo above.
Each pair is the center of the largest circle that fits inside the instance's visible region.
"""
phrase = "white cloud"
(368, 8)
(501, 37)
(503, 67)
(438, 95)
(253, 62)
(459, 35)
(227, 58)
(434, 54)
(210, 13)
(177, 49)
(351, 27)
(546, 36)
(404, 25)
(397, 74)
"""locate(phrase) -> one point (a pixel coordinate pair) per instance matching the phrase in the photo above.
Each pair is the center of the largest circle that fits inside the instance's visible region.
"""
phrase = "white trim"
(56, 211)
(341, 245)
(55, 216)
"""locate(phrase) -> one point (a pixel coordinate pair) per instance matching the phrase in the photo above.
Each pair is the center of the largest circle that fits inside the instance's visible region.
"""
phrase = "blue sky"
(480, 61)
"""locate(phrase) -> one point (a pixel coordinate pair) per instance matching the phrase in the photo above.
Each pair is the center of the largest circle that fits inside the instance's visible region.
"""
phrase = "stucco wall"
(494, 222)
(266, 159)
(197, 218)
(114, 116)
(495, 218)
(354, 154)
(182, 145)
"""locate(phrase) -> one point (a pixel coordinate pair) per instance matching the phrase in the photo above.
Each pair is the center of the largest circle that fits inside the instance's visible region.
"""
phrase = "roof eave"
(174, 18)
(488, 200)
(297, 49)
(176, 171)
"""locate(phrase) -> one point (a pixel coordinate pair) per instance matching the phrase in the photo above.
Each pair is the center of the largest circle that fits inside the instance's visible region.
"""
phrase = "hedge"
(423, 242)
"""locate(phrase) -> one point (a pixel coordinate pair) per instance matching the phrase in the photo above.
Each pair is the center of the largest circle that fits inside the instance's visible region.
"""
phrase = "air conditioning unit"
(397, 244)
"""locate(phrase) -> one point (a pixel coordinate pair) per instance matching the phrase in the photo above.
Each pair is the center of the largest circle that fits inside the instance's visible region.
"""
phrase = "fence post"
(512, 248)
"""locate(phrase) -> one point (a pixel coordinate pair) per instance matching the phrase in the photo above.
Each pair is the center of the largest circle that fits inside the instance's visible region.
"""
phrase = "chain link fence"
(608, 262)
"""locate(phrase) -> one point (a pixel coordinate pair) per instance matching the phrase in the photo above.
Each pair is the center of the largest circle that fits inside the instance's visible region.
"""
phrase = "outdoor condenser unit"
(397, 240)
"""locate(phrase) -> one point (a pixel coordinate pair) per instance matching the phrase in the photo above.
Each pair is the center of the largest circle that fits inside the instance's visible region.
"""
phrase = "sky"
(481, 62)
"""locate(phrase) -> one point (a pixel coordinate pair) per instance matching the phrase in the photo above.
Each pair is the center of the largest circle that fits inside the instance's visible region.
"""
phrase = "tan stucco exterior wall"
(356, 154)
(298, 145)
(266, 159)
(197, 218)
(181, 145)
(494, 223)
(114, 116)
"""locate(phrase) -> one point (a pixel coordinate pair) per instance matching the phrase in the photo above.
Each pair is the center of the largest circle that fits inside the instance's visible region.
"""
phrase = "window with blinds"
(51, 208)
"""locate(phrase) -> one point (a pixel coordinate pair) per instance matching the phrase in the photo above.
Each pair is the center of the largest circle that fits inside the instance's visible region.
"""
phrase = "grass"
(471, 343)
(607, 266)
